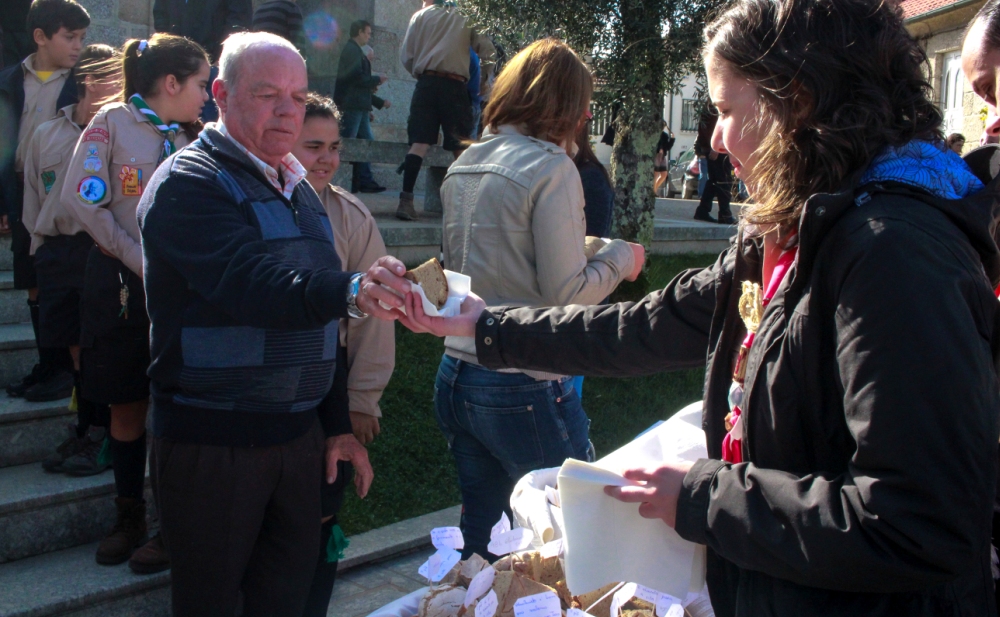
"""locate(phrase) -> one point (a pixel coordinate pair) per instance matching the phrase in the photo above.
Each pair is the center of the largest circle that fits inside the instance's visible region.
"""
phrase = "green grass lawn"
(415, 474)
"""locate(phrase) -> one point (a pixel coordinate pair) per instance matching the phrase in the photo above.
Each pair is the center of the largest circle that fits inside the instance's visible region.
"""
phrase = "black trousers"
(241, 519)
(714, 191)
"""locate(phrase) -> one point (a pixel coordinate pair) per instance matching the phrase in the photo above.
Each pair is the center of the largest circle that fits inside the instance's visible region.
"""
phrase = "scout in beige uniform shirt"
(40, 96)
(371, 343)
(45, 163)
(113, 160)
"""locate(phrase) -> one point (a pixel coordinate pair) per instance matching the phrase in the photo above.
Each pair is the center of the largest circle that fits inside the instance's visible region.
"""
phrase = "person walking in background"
(598, 191)
(30, 95)
(661, 161)
(60, 246)
(515, 198)
(955, 142)
(367, 346)
(718, 186)
(353, 94)
(435, 50)
(163, 90)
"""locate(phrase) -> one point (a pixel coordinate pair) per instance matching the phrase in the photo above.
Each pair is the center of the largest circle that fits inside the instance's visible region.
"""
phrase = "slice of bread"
(430, 276)
(592, 244)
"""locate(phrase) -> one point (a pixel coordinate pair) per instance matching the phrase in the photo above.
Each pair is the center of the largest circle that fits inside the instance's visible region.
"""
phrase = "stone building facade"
(939, 25)
(115, 21)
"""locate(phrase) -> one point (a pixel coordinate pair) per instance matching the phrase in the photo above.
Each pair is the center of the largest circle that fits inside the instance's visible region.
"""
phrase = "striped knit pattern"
(281, 17)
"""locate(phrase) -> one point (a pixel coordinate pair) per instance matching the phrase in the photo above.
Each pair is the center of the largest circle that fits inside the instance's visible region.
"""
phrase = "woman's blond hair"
(545, 88)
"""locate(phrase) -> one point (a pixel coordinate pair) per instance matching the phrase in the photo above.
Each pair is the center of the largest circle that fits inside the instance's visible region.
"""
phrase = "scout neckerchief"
(169, 131)
(751, 307)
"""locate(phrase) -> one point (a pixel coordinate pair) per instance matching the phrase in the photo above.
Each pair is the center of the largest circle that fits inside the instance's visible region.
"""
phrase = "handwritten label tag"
(551, 549)
(487, 607)
(552, 495)
(480, 584)
(545, 604)
(510, 541)
(447, 537)
(664, 602)
(439, 564)
(502, 526)
(675, 610)
(622, 596)
(575, 612)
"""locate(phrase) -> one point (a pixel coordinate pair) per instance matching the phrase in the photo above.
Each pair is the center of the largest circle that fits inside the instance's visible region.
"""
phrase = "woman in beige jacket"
(164, 87)
(514, 222)
(367, 345)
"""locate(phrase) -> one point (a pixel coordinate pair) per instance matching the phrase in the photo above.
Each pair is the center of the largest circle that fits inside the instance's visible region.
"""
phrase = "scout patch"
(48, 179)
(96, 134)
(91, 190)
(93, 162)
(131, 178)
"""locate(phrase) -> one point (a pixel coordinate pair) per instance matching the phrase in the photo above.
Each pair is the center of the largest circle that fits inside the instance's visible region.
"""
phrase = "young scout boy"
(60, 247)
(29, 95)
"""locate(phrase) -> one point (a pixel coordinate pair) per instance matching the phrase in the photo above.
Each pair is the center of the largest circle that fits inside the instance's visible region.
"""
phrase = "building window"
(689, 115)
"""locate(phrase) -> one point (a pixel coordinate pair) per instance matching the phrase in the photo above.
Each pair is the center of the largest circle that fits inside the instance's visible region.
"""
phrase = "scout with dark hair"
(60, 247)
(163, 90)
(37, 84)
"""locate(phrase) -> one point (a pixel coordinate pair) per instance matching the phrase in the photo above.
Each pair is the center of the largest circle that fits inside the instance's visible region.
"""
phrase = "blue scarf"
(926, 166)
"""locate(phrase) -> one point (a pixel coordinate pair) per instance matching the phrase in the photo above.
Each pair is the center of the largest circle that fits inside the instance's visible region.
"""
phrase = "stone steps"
(30, 431)
(41, 512)
(69, 582)
(17, 351)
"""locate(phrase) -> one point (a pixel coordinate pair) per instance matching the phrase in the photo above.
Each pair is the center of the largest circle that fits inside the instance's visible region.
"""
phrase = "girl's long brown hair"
(838, 81)
(546, 88)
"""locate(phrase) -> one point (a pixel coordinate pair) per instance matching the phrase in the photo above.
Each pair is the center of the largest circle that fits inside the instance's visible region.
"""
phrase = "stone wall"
(941, 35)
(115, 21)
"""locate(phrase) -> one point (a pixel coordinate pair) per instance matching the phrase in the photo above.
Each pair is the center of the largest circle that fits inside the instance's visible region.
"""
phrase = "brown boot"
(129, 532)
(406, 211)
(151, 558)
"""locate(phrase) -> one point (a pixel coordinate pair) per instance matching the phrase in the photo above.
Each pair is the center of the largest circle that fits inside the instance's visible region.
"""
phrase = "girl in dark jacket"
(851, 400)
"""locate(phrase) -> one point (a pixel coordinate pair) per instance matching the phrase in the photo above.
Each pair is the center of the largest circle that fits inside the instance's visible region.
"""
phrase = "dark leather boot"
(151, 558)
(128, 534)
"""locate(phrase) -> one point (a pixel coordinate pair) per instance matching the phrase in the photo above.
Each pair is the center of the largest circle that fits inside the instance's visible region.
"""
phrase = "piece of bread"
(430, 276)
(586, 601)
(511, 587)
(592, 244)
(442, 601)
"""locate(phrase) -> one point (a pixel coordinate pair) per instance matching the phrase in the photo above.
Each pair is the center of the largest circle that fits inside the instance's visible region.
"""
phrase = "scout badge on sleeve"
(91, 190)
(131, 178)
(96, 134)
(48, 179)
(93, 162)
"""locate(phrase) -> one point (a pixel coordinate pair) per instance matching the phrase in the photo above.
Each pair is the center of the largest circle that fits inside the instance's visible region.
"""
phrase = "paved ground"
(360, 591)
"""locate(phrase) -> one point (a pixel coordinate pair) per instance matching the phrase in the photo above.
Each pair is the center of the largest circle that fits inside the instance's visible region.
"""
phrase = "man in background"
(435, 50)
(353, 95)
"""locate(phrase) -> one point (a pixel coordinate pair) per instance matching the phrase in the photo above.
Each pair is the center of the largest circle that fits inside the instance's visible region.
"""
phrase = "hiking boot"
(128, 533)
(704, 216)
(38, 373)
(58, 386)
(70, 447)
(406, 211)
(151, 558)
(93, 458)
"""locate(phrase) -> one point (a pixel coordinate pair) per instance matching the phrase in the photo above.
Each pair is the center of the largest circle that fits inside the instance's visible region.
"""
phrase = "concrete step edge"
(365, 548)
(16, 410)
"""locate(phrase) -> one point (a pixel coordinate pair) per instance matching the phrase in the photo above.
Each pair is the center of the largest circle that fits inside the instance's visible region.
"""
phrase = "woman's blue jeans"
(499, 427)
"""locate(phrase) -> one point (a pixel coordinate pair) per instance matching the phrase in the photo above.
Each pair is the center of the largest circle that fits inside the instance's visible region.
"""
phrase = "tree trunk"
(638, 129)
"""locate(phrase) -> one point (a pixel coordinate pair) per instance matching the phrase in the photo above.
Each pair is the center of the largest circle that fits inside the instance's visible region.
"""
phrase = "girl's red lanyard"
(732, 443)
